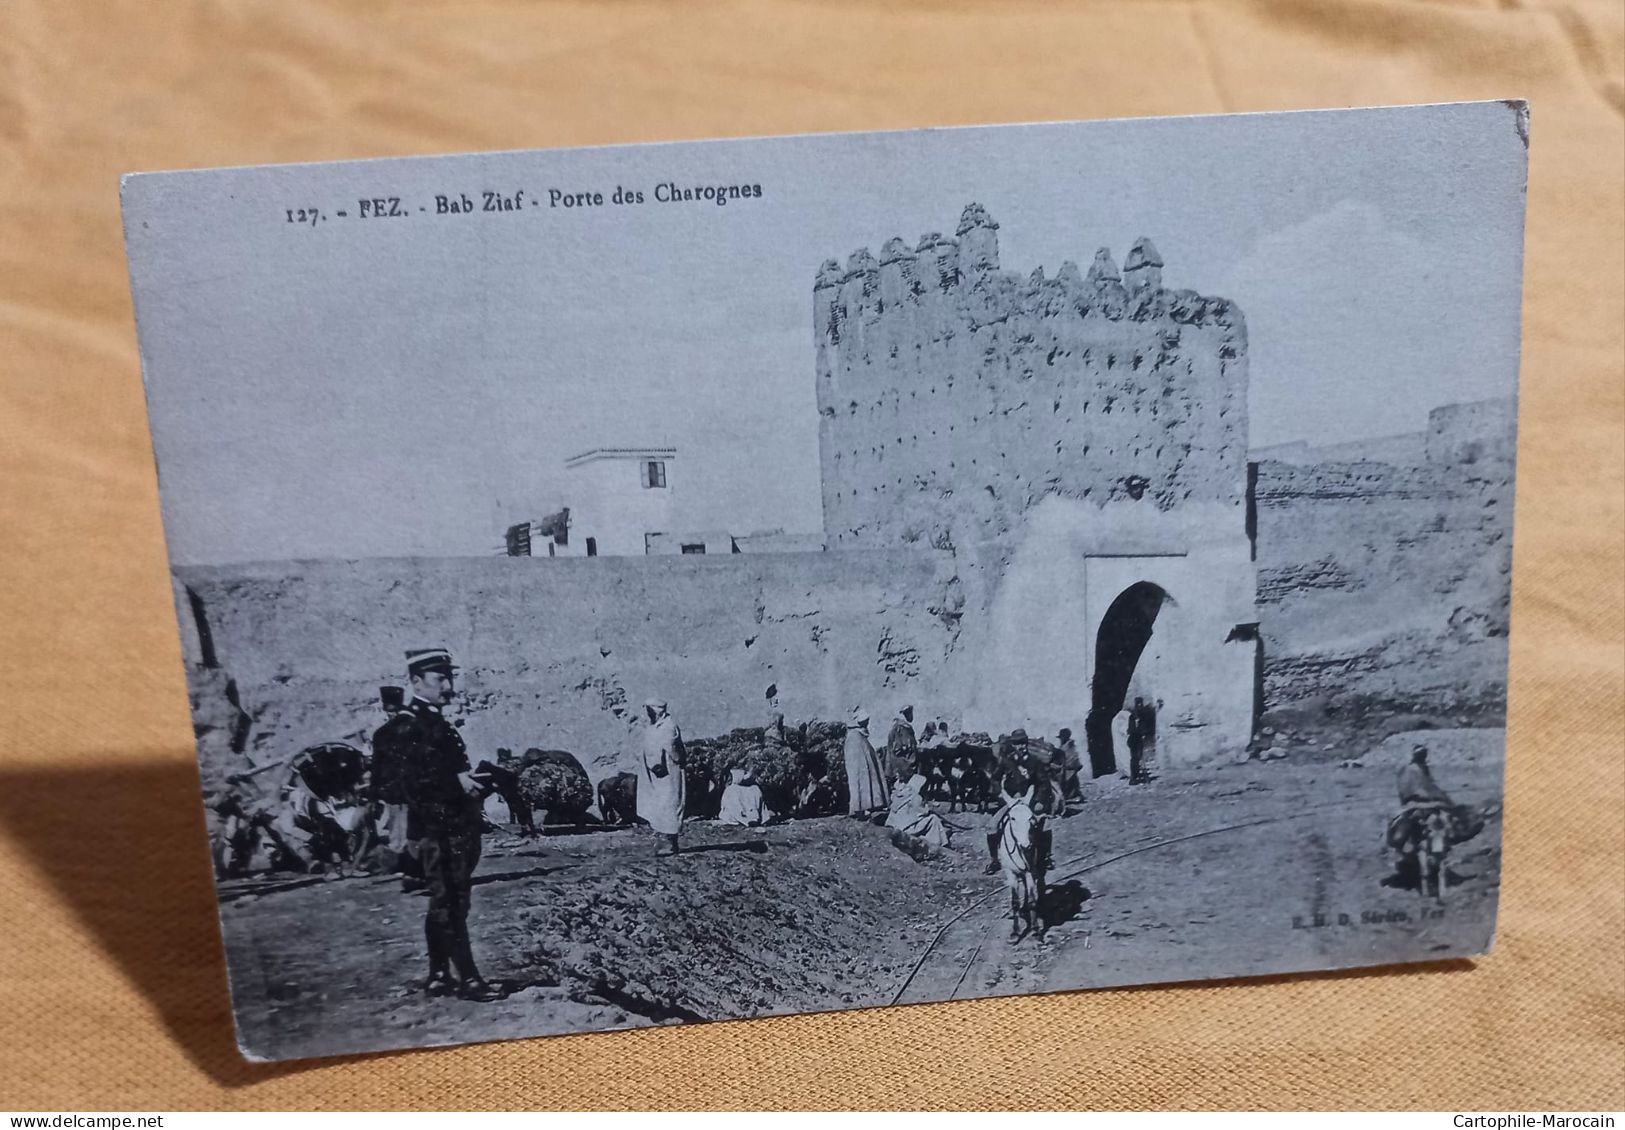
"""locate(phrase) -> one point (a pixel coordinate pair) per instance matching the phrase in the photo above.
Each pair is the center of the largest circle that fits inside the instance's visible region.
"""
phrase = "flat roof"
(621, 453)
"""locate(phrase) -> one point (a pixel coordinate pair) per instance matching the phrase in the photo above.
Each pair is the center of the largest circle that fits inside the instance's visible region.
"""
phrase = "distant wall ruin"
(1484, 431)
(1384, 587)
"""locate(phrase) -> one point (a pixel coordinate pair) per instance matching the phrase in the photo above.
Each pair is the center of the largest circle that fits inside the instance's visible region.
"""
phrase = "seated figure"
(742, 800)
(911, 815)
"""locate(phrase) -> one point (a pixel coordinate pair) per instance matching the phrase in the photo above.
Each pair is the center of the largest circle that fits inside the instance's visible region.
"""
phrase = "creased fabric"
(111, 979)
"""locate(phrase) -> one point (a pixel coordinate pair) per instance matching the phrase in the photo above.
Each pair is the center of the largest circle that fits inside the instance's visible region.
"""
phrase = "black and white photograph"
(701, 581)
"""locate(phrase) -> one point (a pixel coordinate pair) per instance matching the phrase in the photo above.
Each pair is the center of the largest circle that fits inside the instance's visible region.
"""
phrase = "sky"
(409, 385)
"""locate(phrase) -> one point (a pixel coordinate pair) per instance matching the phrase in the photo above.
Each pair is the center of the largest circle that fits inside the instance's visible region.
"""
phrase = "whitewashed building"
(615, 498)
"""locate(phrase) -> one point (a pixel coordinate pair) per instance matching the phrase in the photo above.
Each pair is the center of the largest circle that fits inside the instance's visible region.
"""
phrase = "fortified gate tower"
(1083, 440)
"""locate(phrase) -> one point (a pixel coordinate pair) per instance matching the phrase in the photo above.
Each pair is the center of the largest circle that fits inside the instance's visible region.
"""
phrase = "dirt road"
(1259, 868)
(1227, 871)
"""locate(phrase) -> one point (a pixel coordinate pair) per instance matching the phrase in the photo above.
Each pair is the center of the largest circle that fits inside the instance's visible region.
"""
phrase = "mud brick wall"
(1385, 588)
(954, 396)
(559, 653)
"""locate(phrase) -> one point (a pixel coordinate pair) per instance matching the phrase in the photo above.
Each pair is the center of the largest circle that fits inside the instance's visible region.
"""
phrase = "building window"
(518, 539)
(592, 547)
(654, 473)
(694, 547)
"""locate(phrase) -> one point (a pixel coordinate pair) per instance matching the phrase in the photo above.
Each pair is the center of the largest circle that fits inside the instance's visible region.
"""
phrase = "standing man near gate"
(443, 819)
(1141, 726)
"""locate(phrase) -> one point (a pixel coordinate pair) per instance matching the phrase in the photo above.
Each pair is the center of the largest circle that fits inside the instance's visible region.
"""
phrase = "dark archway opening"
(1124, 632)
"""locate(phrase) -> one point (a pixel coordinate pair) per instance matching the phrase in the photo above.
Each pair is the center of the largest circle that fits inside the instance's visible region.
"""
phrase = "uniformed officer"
(388, 789)
(443, 818)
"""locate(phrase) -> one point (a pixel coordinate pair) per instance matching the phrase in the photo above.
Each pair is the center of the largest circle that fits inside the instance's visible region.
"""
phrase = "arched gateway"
(1124, 631)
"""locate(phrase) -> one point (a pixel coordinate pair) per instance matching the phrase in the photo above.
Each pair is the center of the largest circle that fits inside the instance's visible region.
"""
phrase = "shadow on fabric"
(124, 845)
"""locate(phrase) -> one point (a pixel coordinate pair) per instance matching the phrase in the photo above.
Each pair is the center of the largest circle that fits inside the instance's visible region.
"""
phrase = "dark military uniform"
(387, 779)
(423, 756)
(387, 782)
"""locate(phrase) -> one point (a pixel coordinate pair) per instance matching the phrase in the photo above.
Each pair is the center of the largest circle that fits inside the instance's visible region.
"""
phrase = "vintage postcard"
(699, 581)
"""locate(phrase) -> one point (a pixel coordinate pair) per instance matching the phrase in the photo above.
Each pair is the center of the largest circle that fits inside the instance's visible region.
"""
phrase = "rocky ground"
(1264, 866)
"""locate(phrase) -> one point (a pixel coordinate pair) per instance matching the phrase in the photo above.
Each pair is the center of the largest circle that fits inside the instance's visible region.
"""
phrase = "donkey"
(1021, 854)
(1432, 849)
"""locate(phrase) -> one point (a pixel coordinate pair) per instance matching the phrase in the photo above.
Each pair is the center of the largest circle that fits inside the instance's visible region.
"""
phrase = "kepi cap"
(420, 661)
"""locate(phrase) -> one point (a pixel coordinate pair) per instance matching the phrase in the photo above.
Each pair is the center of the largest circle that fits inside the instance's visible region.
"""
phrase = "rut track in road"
(1061, 874)
(1069, 869)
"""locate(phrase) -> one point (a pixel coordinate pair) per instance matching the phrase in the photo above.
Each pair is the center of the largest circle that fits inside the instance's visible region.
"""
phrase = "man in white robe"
(661, 788)
(865, 780)
(741, 800)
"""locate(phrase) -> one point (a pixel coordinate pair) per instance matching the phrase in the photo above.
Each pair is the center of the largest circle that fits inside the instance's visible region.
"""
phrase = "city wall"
(1383, 588)
(559, 653)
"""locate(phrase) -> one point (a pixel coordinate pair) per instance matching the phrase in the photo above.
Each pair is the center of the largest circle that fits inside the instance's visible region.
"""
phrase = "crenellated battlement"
(954, 395)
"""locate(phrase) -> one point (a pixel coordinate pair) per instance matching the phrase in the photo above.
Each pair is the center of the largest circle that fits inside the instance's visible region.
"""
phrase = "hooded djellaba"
(912, 815)
(660, 776)
(865, 780)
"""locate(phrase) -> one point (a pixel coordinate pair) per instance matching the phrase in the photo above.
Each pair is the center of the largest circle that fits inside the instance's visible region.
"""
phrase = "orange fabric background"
(111, 983)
